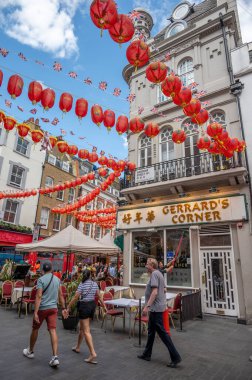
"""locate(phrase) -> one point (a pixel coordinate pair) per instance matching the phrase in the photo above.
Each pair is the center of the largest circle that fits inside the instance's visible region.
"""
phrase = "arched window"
(145, 151)
(167, 151)
(185, 71)
(192, 157)
(219, 117)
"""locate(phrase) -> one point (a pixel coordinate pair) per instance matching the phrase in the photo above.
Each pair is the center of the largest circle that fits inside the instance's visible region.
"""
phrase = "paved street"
(213, 349)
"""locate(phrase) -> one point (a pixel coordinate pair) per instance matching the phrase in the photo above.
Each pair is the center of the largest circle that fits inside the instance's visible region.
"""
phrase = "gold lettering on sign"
(225, 203)
(138, 217)
(150, 216)
(127, 218)
(165, 210)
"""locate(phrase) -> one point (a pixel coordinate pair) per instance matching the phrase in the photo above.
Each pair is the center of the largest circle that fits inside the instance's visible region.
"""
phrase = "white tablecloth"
(120, 291)
(17, 293)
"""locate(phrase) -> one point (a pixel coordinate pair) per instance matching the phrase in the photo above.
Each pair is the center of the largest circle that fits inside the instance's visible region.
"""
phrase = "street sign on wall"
(145, 174)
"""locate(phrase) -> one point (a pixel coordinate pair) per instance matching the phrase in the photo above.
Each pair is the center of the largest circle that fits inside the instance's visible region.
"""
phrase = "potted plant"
(72, 321)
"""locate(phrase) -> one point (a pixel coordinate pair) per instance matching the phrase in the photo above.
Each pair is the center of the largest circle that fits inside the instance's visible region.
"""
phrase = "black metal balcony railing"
(185, 167)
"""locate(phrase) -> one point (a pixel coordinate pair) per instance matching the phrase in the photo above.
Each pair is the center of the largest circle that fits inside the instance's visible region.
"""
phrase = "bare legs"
(85, 333)
(54, 341)
(33, 339)
(53, 336)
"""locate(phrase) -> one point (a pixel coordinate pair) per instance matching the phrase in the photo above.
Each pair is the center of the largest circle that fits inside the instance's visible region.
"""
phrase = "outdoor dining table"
(126, 304)
(17, 293)
(120, 291)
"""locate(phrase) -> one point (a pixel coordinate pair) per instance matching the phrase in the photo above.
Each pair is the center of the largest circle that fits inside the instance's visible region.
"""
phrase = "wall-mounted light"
(213, 189)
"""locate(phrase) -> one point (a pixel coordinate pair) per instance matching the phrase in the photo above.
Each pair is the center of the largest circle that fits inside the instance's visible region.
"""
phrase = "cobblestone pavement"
(213, 349)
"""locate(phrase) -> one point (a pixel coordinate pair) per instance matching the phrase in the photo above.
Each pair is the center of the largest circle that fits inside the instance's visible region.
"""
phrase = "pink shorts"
(50, 315)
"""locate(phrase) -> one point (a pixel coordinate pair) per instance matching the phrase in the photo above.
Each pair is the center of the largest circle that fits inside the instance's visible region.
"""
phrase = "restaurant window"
(145, 245)
(56, 222)
(44, 217)
(181, 273)
(10, 211)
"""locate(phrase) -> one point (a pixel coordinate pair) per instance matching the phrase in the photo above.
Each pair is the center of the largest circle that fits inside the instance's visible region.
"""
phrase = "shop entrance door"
(218, 282)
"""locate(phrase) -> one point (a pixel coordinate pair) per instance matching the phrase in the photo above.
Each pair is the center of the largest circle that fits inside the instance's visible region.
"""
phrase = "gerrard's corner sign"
(202, 211)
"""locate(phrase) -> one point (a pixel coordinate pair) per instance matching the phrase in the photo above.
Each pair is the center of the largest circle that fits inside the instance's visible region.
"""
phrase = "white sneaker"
(54, 362)
(29, 354)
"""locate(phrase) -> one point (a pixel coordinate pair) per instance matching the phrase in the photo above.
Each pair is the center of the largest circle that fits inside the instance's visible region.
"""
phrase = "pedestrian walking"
(48, 293)
(85, 295)
(155, 304)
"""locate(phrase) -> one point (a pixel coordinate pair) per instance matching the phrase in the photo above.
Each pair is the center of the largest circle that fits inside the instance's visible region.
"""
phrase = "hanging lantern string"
(43, 129)
(74, 77)
(57, 88)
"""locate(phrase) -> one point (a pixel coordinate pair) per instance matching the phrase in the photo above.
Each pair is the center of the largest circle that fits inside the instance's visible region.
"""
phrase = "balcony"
(183, 174)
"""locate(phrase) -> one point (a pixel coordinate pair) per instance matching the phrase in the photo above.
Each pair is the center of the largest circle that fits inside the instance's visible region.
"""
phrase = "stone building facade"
(181, 198)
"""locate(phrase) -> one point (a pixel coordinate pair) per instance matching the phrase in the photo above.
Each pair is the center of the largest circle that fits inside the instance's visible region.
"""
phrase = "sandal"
(91, 361)
(74, 350)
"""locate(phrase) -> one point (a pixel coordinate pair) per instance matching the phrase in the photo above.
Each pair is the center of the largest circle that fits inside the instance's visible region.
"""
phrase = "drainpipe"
(236, 88)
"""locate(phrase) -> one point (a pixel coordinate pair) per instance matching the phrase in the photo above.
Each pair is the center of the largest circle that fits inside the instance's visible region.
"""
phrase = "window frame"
(186, 74)
(17, 212)
(72, 196)
(45, 227)
(167, 143)
(147, 150)
(23, 180)
(19, 142)
(60, 192)
(56, 221)
(67, 222)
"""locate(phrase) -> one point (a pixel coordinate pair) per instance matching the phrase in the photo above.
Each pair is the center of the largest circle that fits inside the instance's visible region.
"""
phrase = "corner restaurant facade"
(215, 247)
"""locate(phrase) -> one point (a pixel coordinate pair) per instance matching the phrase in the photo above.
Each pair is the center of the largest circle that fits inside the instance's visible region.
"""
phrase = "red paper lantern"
(123, 29)
(136, 125)
(171, 85)
(242, 146)
(178, 136)
(83, 154)
(81, 108)
(109, 119)
(117, 173)
(192, 108)
(102, 172)
(93, 157)
(121, 165)
(65, 102)
(2, 116)
(15, 86)
(111, 177)
(111, 163)
(72, 150)
(213, 148)
(91, 176)
(37, 135)
(156, 72)
(1, 78)
(138, 53)
(97, 114)
(47, 98)
(53, 141)
(131, 166)
(201, 117)
(23, 129)
(214, 130)
(102, 160)
(34, 92)
(183, 97)
(62, 146)
(9, 123)
(151, 130)
(223, 137)
(203, 143)
(103, 13)
(228, 153)
(122, 124)
(232, 144)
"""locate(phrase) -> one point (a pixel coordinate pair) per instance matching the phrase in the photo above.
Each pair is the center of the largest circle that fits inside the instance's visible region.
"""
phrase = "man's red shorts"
(50, 315)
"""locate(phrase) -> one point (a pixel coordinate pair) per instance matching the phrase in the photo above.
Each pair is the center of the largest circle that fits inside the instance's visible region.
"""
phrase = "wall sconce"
(213, 189)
